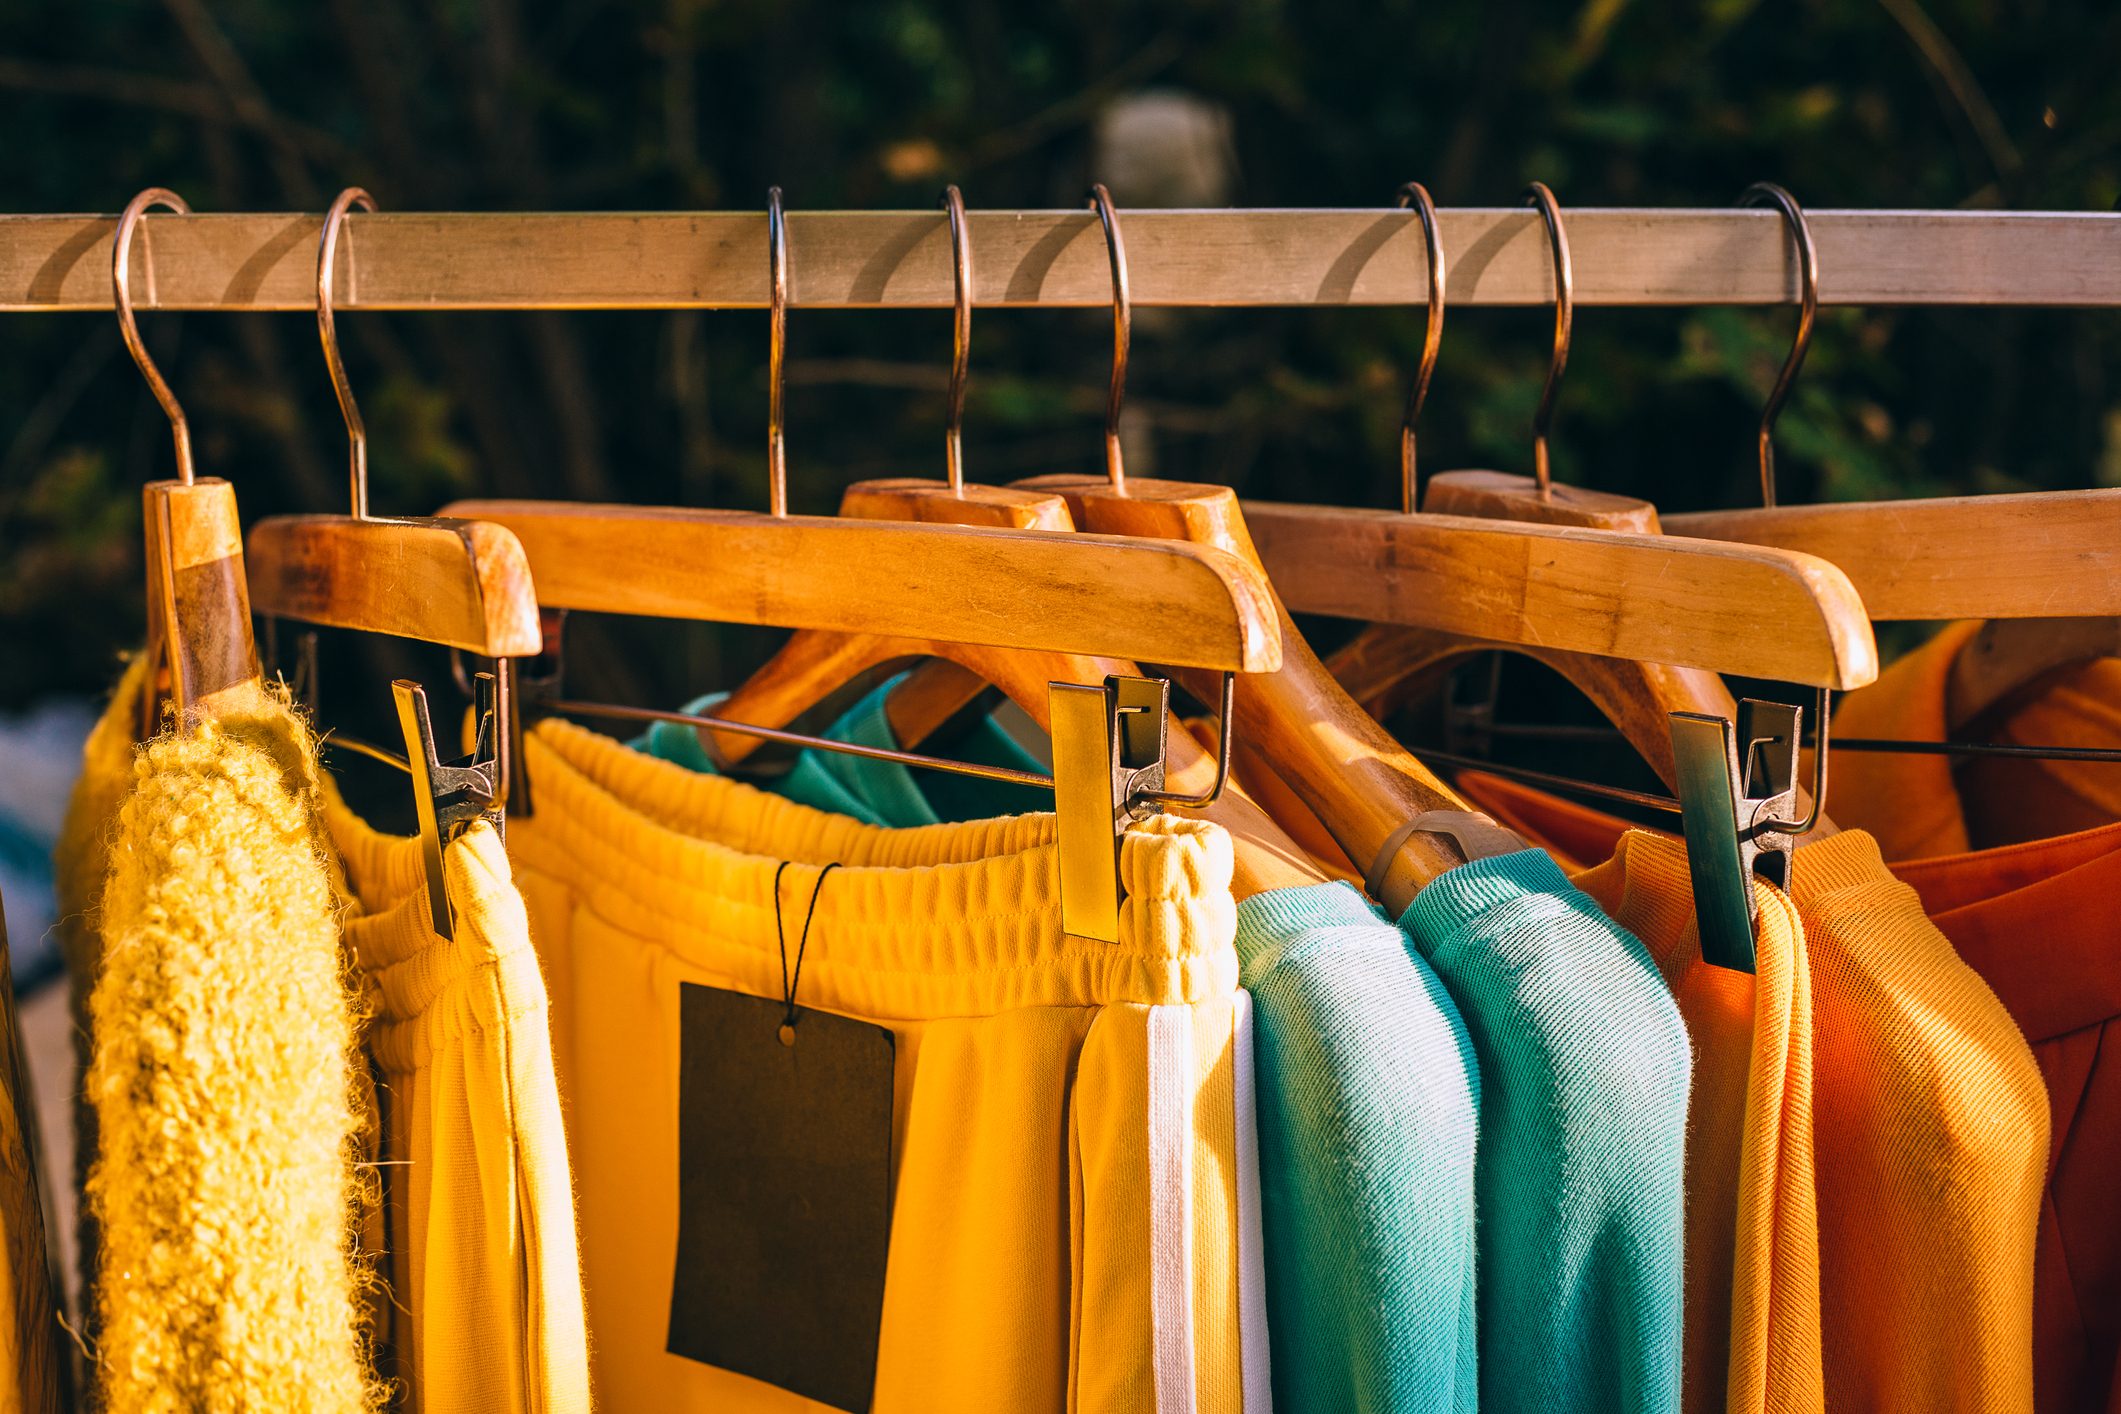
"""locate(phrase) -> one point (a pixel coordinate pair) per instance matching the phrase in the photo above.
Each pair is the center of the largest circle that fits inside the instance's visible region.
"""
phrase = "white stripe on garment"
(1255, 1364)
(1171, 1206)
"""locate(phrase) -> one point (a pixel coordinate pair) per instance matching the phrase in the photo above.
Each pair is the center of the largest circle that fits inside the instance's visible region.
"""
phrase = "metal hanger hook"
(1416, 195)
(1540, 196)
(1761, 193)
(328, 335)
(776, 351)
(122, 296)
(1122, 332)
(960, 338)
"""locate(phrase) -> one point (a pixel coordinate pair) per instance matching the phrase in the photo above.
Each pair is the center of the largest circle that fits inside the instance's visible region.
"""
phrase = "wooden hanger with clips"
(938, 588)
(1583, 582)
(460, 583)
(813, 665)
(1734, 766)
(1367, 791)
(201, 656)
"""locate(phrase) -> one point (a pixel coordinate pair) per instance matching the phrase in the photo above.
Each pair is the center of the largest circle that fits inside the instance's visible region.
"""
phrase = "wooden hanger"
(2020, 561)
(2044, 568)
(2039, 554)
(814, 664)
(200, 652)
(930, 585)
(1605, 582)
(1364, 787)
(972, 586)
(464, 583)
(967, 592)
(1637, 621)
(1361, 783)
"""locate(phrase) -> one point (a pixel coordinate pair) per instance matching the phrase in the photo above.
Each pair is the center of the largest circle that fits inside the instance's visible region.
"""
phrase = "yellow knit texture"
(80, 864)
(224, 1088)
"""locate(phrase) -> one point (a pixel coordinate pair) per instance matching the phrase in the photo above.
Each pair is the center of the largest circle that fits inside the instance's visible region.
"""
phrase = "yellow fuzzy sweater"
(222, 1075)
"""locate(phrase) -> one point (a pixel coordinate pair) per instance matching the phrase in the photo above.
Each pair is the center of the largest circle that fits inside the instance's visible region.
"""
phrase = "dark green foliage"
(571, 105)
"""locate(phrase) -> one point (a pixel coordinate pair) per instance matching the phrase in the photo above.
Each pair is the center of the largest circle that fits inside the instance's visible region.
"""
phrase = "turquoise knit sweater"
(1367, 1091)
(1584, 1069)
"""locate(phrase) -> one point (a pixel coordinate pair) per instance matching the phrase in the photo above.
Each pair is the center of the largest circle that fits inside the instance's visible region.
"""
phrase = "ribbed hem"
(1463, 894)
(936, 921)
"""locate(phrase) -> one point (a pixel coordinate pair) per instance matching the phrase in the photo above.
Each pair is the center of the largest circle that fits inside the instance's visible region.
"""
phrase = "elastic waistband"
(429, 990)
(942, 920)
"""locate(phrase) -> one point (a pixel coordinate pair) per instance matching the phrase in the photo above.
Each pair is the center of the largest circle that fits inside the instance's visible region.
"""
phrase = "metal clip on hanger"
(1737, 812)
(453, 796)
(198, 606)
(941, 590)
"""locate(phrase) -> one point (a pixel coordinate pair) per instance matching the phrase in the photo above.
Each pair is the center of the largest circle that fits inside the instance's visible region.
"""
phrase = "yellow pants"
(1074, 1220)
(486, 1308)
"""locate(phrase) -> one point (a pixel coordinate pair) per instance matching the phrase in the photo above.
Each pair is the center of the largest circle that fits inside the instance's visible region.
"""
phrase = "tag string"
(790, 983)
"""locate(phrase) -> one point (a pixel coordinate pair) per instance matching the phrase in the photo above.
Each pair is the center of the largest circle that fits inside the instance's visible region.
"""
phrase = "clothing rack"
(1057, 259)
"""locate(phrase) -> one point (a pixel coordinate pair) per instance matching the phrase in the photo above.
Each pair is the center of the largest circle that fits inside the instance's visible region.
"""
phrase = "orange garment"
(1920, 806)
(2012, 801)
(1931, 1128)
(1752, 1342)
(2035, 921)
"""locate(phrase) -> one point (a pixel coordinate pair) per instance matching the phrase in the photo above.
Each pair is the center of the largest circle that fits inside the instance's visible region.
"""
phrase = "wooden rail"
(852, 260)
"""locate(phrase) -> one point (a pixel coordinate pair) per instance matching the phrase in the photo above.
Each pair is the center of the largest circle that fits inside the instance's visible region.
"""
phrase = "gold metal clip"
(1108, 764)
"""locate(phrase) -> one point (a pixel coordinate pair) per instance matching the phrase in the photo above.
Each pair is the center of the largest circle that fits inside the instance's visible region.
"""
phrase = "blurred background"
(498, 105)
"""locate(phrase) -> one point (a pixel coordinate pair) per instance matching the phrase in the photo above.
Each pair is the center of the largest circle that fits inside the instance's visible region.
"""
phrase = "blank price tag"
(784, 1194)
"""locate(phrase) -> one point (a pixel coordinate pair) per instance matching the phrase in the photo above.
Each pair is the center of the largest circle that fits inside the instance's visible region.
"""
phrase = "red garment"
(2037, 921)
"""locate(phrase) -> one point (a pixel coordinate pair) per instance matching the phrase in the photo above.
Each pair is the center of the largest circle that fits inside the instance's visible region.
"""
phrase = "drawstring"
(790, 983)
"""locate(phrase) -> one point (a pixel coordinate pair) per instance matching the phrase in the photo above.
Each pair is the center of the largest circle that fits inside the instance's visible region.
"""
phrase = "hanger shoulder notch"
(1501, 495)
(2032, 555)
(1185, 605)
(933, 503)
(1564, 587)
(199, 614)
(464, 583)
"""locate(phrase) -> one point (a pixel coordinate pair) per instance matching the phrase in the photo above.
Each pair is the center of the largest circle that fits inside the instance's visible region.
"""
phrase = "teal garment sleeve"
(876, 792)
(1366, 1091)
(900, 795)
(1584, 1066)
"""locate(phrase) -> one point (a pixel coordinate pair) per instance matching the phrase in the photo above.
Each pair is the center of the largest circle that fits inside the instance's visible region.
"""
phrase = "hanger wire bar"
(618, 713)
(1570, 784)
(2097, 755)
(902, 259)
